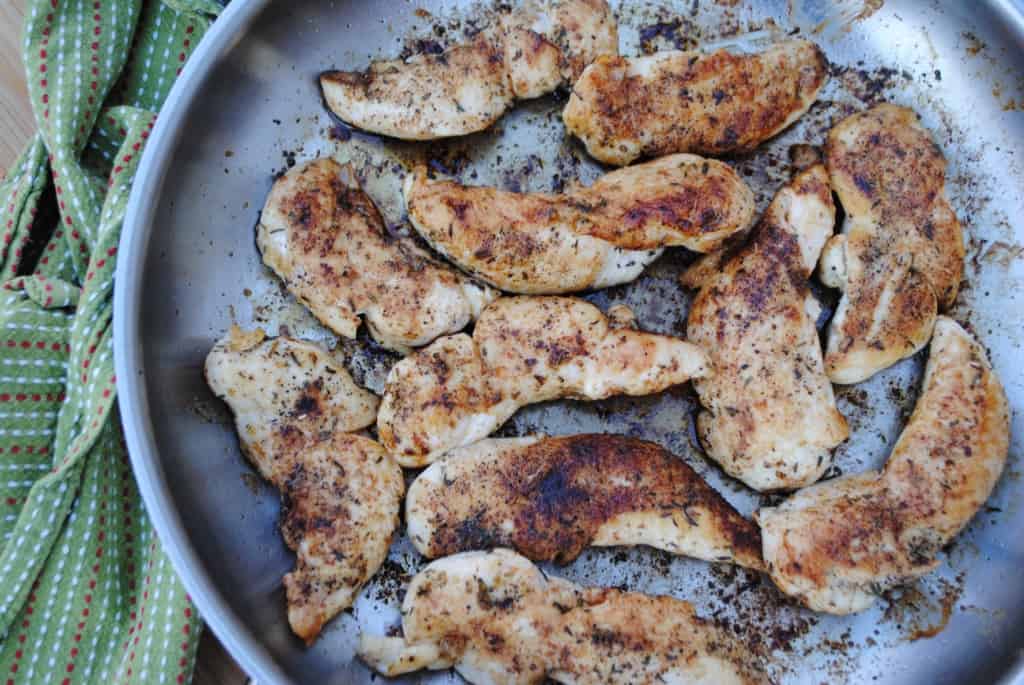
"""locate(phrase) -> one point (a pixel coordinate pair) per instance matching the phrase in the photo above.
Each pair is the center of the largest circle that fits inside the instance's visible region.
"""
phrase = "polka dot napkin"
(86, 592)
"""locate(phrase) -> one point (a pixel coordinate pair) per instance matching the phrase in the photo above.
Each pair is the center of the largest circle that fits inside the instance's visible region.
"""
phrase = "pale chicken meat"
(770, 416)
(900, 258)
(550, 497)
(526, 53)
(624, 108)
(523, 350)
(499, 620)
(323, 236)
(837, 545)
(589, 237)
(295, 408)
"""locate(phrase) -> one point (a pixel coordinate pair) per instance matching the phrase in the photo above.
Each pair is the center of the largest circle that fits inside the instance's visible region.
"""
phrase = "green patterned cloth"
(86, 592)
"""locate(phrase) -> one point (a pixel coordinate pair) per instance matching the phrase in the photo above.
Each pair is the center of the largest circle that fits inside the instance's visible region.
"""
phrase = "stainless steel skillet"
(247, 105)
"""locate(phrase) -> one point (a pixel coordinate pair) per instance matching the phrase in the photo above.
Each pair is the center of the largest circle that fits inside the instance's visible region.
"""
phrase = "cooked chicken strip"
(499, 620)
(770, 414)
(528, 259)
(900, 258)
(326, 240)
(594, 237)
(294, 404)
(527, 53)
(523, 350)
(549, 498)
(837, 545)
(623, 108)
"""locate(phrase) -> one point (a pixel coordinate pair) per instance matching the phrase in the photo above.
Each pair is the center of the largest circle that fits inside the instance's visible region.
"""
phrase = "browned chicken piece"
(326, 240)
(770, 415)
(294, 407)
(900, 258)
(523, 350)
(498, 620)
(549, 498)
(593, 237)
(839, 544)
(623, 108)
(527, 53)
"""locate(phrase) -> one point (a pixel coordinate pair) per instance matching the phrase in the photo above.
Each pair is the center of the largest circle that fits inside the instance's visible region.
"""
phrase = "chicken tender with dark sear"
(770, 416)
(294, 407)
(498, 619)
(624, 108)
(839, 544)
(323, 236)
(549, 498)
(523, 350)
(529, 52)
(900, 258)
(593, 237)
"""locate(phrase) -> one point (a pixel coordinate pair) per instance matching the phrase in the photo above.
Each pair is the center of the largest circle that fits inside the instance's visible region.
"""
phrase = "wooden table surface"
(213, 665)
(16, 121)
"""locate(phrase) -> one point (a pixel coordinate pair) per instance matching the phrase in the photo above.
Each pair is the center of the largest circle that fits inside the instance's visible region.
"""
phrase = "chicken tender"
(549, 498)
(624, 108)
(594, 237)
(527, 53)
(770, 415)
(900, 258)
(323, 236)
(523, 350)
(295, 406)
(837, 545)
(497, 619)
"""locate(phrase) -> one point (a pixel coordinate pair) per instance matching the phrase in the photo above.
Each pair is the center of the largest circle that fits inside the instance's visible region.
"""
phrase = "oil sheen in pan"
(922, 57)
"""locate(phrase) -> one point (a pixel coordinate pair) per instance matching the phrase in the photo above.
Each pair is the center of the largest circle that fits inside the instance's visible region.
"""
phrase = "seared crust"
(624, 108)
(471, 85)
(582, 30)
(340, 501)
(523, 350)
(549, 498)
(526, 54)
(837, 545)
(498, 619)
(770, 417)
(900, 259)
(340, 492)
(326, 240)
(679, 200)
(539, 243)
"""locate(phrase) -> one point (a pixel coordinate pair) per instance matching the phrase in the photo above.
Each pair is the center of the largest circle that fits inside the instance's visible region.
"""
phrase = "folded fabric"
(86, 592)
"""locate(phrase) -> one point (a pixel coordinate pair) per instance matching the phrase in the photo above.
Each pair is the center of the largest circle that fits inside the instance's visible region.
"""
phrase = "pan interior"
(259, 111)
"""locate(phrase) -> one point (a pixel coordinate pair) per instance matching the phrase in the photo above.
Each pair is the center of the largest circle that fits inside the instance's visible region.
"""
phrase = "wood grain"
(16, 120)
(213, 665)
